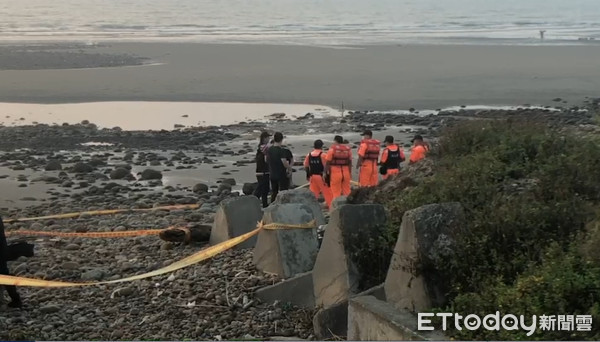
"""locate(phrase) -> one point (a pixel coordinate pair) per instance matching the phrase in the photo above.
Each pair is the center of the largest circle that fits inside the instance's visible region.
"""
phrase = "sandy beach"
(363, 78)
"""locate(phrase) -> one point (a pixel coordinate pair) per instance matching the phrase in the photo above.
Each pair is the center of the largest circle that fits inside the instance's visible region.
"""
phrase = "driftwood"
(186, 235)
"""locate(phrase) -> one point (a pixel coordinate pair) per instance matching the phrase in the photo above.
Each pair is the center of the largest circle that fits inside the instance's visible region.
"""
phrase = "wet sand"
(378, 77)
(150, 115)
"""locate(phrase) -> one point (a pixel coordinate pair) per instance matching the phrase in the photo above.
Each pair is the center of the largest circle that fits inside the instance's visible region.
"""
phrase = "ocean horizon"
(309, 22)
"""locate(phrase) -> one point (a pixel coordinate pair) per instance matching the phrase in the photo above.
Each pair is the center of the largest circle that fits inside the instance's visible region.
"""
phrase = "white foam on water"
(459, 108)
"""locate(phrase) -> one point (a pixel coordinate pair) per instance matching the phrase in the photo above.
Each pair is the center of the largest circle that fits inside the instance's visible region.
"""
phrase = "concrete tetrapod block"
(371, 319)
(287, 252)
(338, 202)
(335, 276)
(333, 321)
(424, 238)
(297, 291)
(302, 196)
(235, 217)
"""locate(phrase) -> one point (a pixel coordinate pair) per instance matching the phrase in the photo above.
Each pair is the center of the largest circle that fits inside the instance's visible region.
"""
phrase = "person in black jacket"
(12, 290)
(279, 166)
(262, 169)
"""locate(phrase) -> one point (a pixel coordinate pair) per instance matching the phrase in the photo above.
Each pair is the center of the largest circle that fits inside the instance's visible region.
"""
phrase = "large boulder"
(302, 196)
(119, 173)
(53, 165)
(287, 252)
(415, 278)
(229, 181)
(95, 162)
(235, 217)
(335, 275)
(200, 188)
(82, 168)
(150, 174)
(249, 188)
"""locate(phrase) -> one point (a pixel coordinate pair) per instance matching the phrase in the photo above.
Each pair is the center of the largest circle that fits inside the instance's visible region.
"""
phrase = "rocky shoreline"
(133, 169)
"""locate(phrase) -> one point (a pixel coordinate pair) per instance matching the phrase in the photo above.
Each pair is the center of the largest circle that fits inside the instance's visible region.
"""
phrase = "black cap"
(417, 137)
(265, 134)
(389, 139)
(367, 132)
(318, 143)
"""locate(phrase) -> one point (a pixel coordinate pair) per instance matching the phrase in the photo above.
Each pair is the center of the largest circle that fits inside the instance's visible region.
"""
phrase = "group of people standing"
(330, 173)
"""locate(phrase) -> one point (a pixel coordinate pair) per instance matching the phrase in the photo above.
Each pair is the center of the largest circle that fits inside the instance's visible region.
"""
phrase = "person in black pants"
(262, 169)
(12, 290)
(279, 166)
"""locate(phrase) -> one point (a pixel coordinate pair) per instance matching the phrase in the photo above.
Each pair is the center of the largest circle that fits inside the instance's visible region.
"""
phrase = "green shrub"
(528, 192)
(371, 252)
(562, 284)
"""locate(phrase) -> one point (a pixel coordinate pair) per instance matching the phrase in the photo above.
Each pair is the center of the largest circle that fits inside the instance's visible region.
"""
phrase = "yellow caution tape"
(188, 261)
(130, 233)
(102, 212)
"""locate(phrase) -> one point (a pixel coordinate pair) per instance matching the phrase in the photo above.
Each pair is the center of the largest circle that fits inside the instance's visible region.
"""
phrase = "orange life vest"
(341, 155)
(373, 148)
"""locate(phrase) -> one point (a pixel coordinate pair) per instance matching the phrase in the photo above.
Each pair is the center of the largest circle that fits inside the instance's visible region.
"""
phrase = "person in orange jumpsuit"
(391, 157)
(419, 149)
(314, 164)
(368, 155)
(339, 168)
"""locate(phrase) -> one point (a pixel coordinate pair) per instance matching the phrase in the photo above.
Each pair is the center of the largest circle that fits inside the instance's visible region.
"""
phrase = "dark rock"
(119, 173)
(150, 174)
(200, 188)
(82, 168)
(229, 181)
(48, 309)
(224, 188)
(249, 188)
(53, 165)
(95, 162)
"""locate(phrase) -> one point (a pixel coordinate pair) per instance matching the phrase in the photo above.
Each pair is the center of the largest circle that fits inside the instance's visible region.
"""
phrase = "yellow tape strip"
(130, 233)
(188, 261)
(101, 212)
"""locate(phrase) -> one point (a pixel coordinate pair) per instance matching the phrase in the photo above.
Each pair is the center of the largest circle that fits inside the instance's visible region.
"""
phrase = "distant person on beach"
(262, 169)
(419, 149)
(391, 157)
(368, 155)
(314, 164)
(12, 290)
(339, 167)
(279, 165)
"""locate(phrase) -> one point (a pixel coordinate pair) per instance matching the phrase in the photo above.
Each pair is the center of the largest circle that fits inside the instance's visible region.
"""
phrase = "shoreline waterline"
(151, 115)
(167, 115)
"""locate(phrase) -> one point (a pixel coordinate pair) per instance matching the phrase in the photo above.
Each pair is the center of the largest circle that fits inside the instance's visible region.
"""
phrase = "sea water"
(305, 22)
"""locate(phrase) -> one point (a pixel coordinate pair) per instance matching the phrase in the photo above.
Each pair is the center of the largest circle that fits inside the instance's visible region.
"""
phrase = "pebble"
(70, 265)
(93, 275)
(72, 247)
(48, 309)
